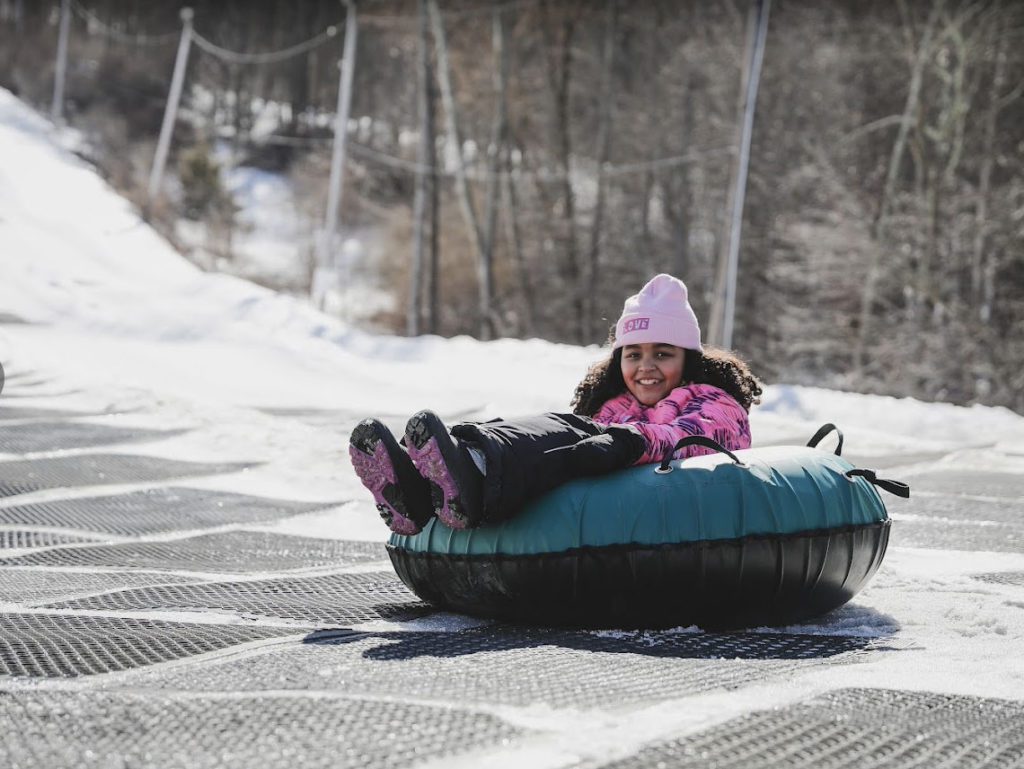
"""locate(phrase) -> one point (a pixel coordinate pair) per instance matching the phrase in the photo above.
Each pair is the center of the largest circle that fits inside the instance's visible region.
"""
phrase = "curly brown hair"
(720, 368)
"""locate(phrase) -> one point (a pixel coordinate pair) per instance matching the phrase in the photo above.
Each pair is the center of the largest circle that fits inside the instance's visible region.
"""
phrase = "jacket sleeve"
(614, 410)
(694, 410)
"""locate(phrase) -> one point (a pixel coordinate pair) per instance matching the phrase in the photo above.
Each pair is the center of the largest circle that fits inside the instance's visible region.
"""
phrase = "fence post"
(171, 111)
(57, 106)
(325, 270)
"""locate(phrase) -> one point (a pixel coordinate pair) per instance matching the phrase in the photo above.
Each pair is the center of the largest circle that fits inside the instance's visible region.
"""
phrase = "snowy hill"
(121, 305)
(122, 324)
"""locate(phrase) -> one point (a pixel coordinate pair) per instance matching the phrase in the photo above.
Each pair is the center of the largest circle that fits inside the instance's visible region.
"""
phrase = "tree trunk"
(982, 261)
(495, 153)
(434, 255)
(646, 240)
(516, 247)
(603, 153)
(558, 81)
(500, 181)
(423, 176)
(461, 183)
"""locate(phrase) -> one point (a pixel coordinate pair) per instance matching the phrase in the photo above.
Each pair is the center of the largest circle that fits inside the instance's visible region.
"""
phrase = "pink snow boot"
(401, 493)
(456, 484)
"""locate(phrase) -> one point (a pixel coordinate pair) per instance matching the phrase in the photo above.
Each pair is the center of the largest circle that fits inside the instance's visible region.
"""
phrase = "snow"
(122, 323)
(905, 422)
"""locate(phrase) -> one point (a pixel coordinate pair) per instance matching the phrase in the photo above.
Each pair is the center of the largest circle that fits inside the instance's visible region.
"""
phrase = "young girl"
(658, 385)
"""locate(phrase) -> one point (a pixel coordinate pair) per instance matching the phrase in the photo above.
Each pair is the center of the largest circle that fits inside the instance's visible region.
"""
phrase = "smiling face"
(652, 371)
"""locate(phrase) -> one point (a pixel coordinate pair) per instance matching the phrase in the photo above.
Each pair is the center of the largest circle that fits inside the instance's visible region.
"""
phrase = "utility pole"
(163, 145)
(57, 106)
(324, 269)
(724, 303)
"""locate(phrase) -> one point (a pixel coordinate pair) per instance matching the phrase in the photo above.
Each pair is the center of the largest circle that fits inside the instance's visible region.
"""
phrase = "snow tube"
(757, 537)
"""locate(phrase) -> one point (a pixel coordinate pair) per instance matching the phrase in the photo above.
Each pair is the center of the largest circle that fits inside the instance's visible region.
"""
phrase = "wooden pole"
(724, 295)
(753, 82)
(324, 266)
(724, 306)
(163, 144)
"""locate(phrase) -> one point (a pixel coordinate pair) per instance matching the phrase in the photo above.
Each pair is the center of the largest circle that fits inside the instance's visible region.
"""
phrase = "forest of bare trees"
(521, 166)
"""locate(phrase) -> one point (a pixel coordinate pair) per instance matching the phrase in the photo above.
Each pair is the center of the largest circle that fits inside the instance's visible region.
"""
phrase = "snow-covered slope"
(119, 321)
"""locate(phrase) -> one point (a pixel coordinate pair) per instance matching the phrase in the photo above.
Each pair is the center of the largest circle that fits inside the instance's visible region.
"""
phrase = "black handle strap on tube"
(824, 430)
(898, 488)
(694, 440)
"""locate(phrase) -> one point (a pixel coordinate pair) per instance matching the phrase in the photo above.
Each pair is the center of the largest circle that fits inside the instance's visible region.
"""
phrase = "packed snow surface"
(121, 323)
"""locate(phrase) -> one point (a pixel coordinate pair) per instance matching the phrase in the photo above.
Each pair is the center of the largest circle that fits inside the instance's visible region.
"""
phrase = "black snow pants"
(519, 465)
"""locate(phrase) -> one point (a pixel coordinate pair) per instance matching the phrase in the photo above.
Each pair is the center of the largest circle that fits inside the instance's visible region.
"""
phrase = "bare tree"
(604, 126)
(465, 196)
(424, 157)
(982, 256)
(923, 49)
(495, 154)
(559, 36)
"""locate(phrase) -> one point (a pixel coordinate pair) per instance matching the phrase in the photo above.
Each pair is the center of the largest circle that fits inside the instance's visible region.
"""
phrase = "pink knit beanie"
(661, 312)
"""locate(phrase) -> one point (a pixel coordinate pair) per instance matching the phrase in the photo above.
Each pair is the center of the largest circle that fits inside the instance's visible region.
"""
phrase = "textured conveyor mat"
(852, 729)
(331, 600)
(51, 646)
(9, 412)
(981, 484)
(35, 390)
(54, 730)
(27, 381)
(515, 666)
(230, 552)
(1013, 578)
(16, 392)
(954, 535)
(156, 510)
(36, 586)
(18, 538)
(58, 436)
(25, 475)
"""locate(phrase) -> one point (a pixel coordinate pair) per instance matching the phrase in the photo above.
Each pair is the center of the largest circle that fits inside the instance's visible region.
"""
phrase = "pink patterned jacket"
(696, 409)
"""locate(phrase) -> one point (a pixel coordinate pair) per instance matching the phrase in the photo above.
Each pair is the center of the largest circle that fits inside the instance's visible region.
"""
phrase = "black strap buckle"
(898, 488)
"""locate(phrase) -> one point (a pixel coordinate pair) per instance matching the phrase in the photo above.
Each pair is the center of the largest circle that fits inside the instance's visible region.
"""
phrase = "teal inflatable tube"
(769, 536)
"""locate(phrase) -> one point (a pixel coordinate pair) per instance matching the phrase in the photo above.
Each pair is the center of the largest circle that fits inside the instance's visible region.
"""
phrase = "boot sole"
(434, 455)
(370, 451)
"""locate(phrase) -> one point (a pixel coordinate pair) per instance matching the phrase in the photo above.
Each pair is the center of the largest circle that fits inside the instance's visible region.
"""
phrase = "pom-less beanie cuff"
(660, 313)
(653, 328)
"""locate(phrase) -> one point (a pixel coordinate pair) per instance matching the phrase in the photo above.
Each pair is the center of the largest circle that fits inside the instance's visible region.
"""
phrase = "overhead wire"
(368, 153)
(235, 57)
(384, 20)
(543, 174)
(268, 57)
